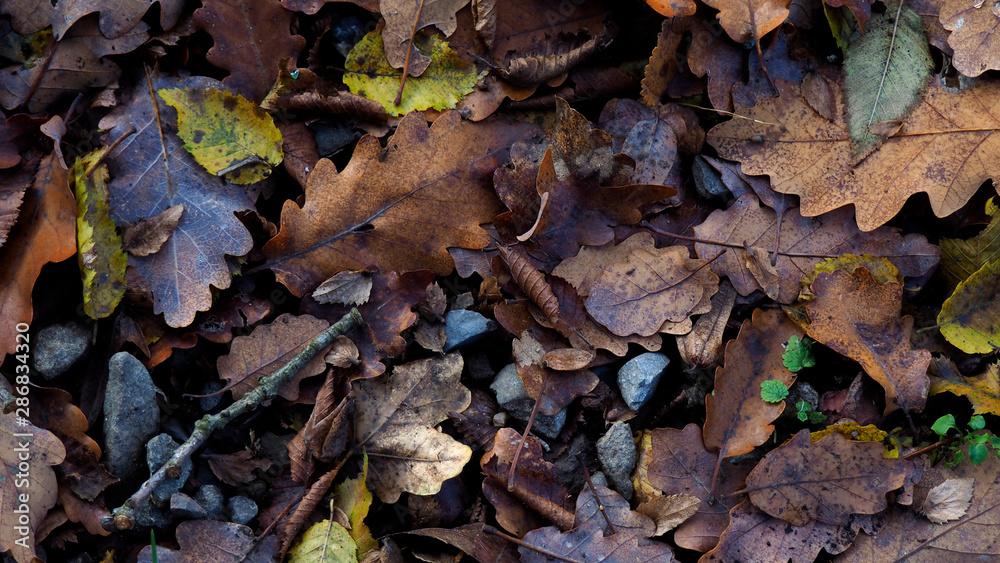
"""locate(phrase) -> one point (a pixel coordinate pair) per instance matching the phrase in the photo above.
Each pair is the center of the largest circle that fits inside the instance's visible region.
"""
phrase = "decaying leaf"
(324, 542)
(268, 348)
(702, 347)
(401, 20)
(752, 19)
(982, 390)
(968, 318)
(671, 8)
(209, 540)
(591, 503)
(99, 247)
(972, 26)
(669, 511)
(147, 237)
(354, 498)
(394, 423)
(948, 501)
(858, 317)
(961, 258)
(840, 478)
(348, 287)
(590, 540)
(946, 148)
(117, 17)
(448, 162)
(225, 133)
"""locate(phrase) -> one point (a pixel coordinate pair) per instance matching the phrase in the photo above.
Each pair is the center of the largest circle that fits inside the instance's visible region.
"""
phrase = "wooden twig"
(123, 517)
(409, 51)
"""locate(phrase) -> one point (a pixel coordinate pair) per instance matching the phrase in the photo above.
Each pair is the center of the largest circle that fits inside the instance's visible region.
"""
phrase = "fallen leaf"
(26, 494)
(591, 503)
(389, 187)
(944, 149)
(404, 18)
(225, 133)
(99, 247)
(673, 8)
(218, 542)
(118, 17)
(948, 501)
(266, 349)
(737, 418)
(968, 317)
(237, 468)
(30, 16)
(651, 288)
(567, 359)
(349, 287)
(17, 134)
(961, 258)
(310, 7)
(251, 38)
(354, 498)
(750, 20)
(702, 347)
(804, 242)
(841, 478)
(151, 172)
(13, 185)
(46, 232)
(982, 390)
(669, 511)
(972, 29)
(147, 237)
(324, 542)
(588, 539)
(675, 462)
(394, 423)
(854, 315)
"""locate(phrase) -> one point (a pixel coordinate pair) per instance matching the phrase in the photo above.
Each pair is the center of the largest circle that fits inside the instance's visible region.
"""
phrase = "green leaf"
(445, 82)
(977, 453)
(798, 354)
(886, 72)
(99, 247)
(773, 391)
(324, 542)
(977, 438)
(977, 422)
(970, 318)
(225, 133)
(944, 424)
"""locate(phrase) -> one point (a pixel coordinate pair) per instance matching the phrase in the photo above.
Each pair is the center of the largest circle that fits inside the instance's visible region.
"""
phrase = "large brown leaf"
(394, 424)
(151, 171)
(675, 462)
(973, 36)
(801, 482)
(947, 148)
(750, 19)
(856, 316)
(45, 232)
(588, 543)
(251, 38)
(737, 419)
(401, 21)
(118, 17)
(804, 243)
(426, 191)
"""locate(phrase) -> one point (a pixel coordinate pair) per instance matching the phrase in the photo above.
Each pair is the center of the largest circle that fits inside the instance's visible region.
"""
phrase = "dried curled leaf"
(948, 501)
(147, 237)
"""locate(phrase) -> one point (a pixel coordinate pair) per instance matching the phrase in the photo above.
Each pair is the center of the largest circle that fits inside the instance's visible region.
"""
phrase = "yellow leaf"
(969, 318)
(225, 133)
(100, 256)
(354, 498)
(324, 542)
(852, 431)
(960, 258)
(445, 82)
(983, 390)
(880, 267)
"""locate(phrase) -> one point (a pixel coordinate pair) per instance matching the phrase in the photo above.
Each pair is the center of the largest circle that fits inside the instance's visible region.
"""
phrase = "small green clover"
(979, 444)
(773, 391)
(798, 354)
(806, 414)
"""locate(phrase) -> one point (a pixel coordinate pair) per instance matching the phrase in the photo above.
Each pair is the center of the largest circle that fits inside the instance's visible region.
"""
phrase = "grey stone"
(514, 399)
(637, 379)
(158, 452)
(211, 499)
(213, 399)
(131, 415)
(58, 347)
(186, 508)
(242, 509)
(616, 450)
(149, 516)
(599, 478)
(463, 327)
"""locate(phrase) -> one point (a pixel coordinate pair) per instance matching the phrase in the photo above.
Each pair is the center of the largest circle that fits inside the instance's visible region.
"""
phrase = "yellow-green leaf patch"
(970, 318)
(225, 133)
(99, 247)
(960, 258)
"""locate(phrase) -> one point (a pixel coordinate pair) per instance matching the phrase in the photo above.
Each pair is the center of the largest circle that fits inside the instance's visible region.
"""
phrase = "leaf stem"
(123, 517)
(409, 51)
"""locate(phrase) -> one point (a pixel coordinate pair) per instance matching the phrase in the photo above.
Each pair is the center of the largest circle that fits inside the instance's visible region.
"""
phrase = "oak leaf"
(312, 6)
(801, 482)
(652, 290)
(437, 174)
(737, 419)
(945, 149)
(30, 16)
(982, 390)
(675, 462)
(401, 21)
(394, 424)
(209, 540)
(854, 315)
(251, 38)
(961, 258)
(45, 232)
(26, 495)
(973, 27)
(118, 17)
(804, 243)
(151, 171)
(672, 8)
(268, 348)
(968, 318)
(751, 19)
(590, 540)
(592, 502)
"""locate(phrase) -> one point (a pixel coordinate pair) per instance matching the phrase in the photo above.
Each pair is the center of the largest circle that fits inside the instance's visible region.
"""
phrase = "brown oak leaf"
(118, 17)
(589, 539)
(401, 21)
(750, 19)
(426, 191)
(973, 38)
(856, 316)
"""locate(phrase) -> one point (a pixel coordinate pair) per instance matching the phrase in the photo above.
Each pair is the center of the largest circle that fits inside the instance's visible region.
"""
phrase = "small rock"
(242, 509)
(213, 398)
(131, 415)
(463, 327)
(211, 499)
(637, 379)
(599, 478)
(58, 347)
(616, 450)
(158, 452)
(513, 398)
(185, 507)
(149, 516)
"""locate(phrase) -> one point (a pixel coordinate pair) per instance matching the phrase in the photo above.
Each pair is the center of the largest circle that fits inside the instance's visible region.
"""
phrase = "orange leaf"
(750, 19)
(672, 8)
